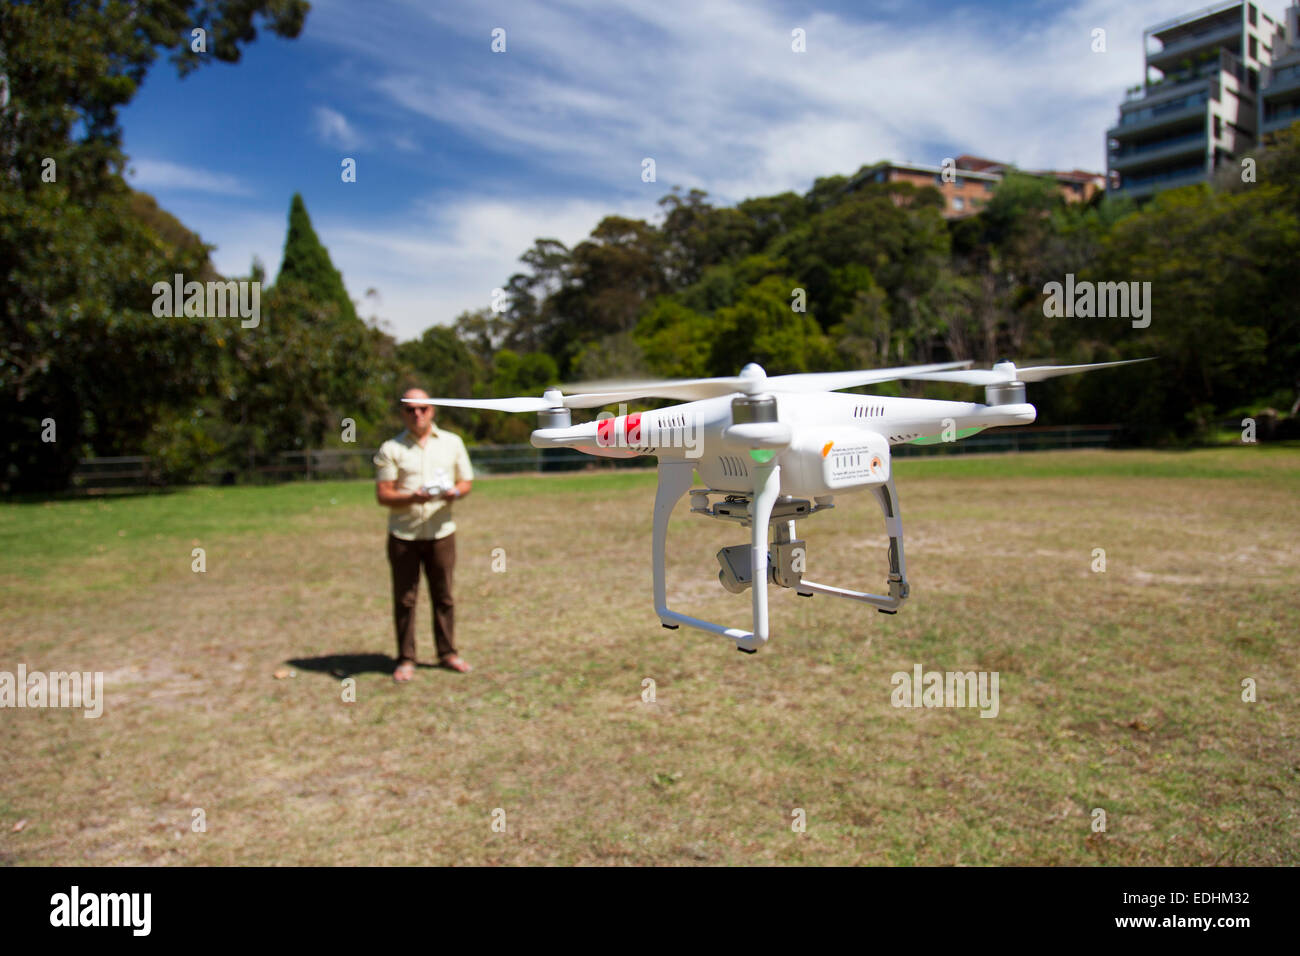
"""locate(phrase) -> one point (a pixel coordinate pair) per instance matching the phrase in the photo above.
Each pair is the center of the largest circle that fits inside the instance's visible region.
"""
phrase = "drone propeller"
(491, 404)
(551, 399)
(1005, 373)
(752, 380)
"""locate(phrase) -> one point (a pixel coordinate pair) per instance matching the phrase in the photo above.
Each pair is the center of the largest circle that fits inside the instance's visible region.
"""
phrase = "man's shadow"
(348, 665)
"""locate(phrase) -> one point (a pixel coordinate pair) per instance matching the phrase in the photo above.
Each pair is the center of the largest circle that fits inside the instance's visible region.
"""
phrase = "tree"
(761, 327)
(71, 66)
(307, 262)
(677, 341)
(442, 364)
(697, 235)
(774, 216)
(616, 356)
(615, 275)
(1223, 317)
(302, 371)
(532, 320)
(514, 374)
(78, 253)
(893, 231)
(81, 346)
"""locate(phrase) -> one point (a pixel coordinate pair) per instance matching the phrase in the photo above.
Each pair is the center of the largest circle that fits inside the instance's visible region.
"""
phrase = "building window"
(988, 187)
(1218, 127)
(1250, 13)
(1254, 49)
(958, 204)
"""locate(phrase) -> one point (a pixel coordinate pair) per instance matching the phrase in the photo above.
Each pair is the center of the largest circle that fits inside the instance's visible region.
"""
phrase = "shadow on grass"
(105, 494)
(347, 665)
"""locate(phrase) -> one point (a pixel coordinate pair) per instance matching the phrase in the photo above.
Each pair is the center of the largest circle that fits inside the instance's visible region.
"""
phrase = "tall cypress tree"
(307, 261)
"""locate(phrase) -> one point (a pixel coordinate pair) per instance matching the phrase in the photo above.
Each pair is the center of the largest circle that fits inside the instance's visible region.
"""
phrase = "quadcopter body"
(771, 451)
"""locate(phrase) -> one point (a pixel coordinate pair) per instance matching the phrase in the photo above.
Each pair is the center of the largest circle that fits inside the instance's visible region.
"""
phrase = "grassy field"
(224, 690)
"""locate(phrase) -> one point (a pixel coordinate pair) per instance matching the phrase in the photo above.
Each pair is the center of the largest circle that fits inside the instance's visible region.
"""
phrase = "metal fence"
(1027, 438)
(98, 475)
(101, 475)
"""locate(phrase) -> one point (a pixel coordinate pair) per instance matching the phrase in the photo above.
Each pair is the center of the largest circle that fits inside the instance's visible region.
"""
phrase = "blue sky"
(465, 156)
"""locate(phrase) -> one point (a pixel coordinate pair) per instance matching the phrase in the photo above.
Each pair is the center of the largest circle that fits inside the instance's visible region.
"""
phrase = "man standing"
(419, 474)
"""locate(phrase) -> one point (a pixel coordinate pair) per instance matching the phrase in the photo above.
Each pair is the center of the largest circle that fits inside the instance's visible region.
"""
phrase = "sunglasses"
(416, 409)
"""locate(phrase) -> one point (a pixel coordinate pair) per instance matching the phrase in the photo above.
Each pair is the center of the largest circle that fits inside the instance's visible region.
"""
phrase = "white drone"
(773, 450)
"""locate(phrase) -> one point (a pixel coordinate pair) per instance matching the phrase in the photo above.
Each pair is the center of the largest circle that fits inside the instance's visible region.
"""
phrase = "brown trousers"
(438, 557)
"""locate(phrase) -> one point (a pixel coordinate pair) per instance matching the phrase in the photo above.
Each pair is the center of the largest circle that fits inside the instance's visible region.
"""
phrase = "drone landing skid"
(675, 480)
(887, 495)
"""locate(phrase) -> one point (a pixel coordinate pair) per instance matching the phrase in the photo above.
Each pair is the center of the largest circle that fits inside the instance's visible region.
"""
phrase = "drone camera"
(785, 564)
(737, 572)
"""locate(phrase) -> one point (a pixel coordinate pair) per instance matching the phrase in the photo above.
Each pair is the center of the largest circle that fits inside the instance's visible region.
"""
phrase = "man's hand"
(459, 491)
(387, 494)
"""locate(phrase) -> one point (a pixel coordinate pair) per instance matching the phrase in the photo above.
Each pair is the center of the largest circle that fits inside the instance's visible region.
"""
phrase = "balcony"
(1220, 33)
(1168, 114)
(1280, 118)
(1142, 186)
(1211, 67)
(1282, 80)
(1162, 151)
(1169, 26)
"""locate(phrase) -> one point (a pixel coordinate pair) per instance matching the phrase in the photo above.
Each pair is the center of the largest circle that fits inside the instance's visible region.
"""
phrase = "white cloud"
(714, 93)
(334, 130)
(429, 271)
(444, 259)
(157, 175)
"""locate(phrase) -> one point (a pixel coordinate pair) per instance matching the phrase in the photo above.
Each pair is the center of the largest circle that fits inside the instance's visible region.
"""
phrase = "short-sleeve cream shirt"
(405, 461)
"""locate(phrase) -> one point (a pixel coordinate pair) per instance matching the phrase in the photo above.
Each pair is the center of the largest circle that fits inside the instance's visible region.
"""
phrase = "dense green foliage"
(84, 359)
(848, 275)
(79, 252)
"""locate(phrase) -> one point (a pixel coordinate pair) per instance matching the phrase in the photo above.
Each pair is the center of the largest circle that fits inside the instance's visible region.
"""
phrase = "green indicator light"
(761, 455)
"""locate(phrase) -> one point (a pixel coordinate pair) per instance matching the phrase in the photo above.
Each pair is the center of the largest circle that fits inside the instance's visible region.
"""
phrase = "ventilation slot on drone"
(732, 467)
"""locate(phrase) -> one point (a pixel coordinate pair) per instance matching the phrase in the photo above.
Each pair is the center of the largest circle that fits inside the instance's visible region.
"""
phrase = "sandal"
(454, 662)
(405, 671)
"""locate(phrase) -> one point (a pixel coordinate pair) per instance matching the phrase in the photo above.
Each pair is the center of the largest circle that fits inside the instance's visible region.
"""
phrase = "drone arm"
(584, 438)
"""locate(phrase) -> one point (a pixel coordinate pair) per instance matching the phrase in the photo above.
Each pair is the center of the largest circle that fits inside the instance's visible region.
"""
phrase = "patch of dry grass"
(1119, 691)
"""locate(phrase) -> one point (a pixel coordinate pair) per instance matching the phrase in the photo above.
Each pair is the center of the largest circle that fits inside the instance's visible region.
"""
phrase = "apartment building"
(972, 180)
(1199, 106)
(1279, 98)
